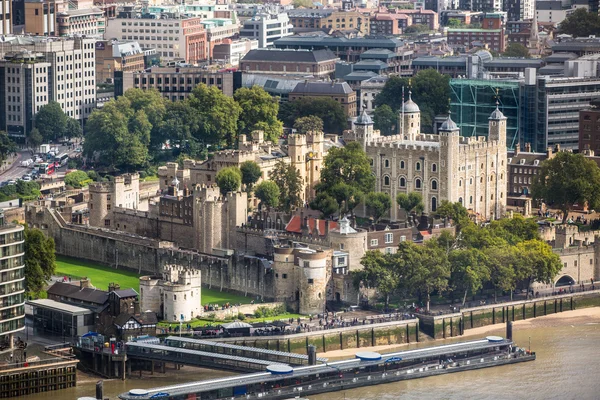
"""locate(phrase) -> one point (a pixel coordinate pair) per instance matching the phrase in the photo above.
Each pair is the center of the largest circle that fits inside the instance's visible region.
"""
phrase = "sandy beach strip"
(584, 315)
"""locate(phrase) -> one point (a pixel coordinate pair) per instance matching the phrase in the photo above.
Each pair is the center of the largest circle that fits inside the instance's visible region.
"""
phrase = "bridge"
(226, 349)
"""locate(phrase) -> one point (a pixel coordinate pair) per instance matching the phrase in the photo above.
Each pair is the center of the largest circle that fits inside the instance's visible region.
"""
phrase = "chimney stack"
(528, 147)
(517, 148)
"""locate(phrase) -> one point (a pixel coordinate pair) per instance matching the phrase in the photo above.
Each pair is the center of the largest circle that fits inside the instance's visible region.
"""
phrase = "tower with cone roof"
(409, 119)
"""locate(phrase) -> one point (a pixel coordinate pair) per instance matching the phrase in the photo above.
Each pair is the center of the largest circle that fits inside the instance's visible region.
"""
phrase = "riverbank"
(576, 317)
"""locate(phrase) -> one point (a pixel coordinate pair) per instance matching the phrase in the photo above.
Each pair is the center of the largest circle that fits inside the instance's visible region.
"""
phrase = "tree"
(349, 165)
(51, 121)
(416, 29)
(155, 106)
(40, 259)
(412, 202)
(380, 271)
(469, 271)
(515, 229)
(303, 3)
(580, 23)
(311, 123)
(290, 185)
(76, 179)
(251, 173)
(35, 138)
(179, 125)
(454, 23)
(568, 179)
(229, 179)
(455, 211)
(516, 50)
(385, 119)
(217, 113)
(268, 194)
(7, 146)
(536, 262)
(430, 90)
(326, 204)
(73, 129)
(258, 112)
(500, 262)
(347, 196)
(378, 204)
(330, 111)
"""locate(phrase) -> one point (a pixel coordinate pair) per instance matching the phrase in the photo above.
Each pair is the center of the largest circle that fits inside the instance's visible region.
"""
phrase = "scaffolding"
(473, 100)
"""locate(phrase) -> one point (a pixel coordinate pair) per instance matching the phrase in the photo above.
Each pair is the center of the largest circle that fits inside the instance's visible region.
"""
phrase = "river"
(567, 367)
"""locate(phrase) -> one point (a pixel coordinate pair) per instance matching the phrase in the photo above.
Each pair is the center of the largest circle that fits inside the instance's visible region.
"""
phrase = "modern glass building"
(12, 281)
(473, 100)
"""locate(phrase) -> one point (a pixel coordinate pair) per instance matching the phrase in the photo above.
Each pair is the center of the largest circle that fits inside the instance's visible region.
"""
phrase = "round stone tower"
(313, 276)
(286, 288)
(99, 204)
(150, 294)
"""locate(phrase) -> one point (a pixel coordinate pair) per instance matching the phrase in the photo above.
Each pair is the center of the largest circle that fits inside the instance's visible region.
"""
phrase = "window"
(418, 166)
(386, 181)
(434, 185)
(107, 222)
(341, 261)
(389, 250)
(284, 276)
(403, 238)
(389, 237)
(174, 297)
(311, 281)
(433, 204)
(374, 242)
(402, 182)
(386, 163)
(434, 167)
(418, 183)
(401, 164)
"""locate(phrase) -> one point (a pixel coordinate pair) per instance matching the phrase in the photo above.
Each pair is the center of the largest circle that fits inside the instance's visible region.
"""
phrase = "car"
(11, 182)
(26, 178)
(78, 150)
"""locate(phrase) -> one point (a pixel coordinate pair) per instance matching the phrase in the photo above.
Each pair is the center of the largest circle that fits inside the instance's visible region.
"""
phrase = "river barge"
(282, 381)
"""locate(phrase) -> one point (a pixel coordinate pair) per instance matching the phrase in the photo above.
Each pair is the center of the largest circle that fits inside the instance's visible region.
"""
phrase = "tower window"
(401, 164)
(418, 166)
(386, 163)
(434, 185)
(402, 182)
(418, 183)
(386, 181)
(434, 167)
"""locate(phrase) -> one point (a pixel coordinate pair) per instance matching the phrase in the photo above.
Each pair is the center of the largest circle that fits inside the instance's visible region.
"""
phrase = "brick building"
(522, 167)
(306, 20)
(114, 56)
(319, 63)
(468, 38)
(589, 127)
(341, 92)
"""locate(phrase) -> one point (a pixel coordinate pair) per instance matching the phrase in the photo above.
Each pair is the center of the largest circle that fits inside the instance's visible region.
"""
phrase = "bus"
(61, 160)
(46, 168)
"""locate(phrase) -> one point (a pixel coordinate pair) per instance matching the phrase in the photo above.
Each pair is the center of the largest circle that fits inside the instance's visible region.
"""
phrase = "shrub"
(241, 316)
(76, 179)
(258, 313)
(92, 175)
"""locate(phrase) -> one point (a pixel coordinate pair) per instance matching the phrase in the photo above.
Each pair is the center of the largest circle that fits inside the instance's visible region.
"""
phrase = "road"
(17, 171)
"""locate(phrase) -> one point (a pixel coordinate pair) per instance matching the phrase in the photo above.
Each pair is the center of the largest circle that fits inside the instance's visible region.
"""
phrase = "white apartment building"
(267, 28)
(70, 76)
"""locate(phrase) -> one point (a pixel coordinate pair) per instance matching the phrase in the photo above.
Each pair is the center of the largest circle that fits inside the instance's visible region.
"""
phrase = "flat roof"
(47, 303)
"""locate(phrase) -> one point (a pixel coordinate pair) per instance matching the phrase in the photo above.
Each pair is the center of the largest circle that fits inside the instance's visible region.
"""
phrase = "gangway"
(272, 356)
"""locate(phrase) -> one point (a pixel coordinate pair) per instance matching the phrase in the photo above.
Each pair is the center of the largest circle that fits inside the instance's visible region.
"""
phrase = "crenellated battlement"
(475, 144)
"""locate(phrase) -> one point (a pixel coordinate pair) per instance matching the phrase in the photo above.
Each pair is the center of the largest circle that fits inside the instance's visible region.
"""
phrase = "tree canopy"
(330, 111)
(229, 179)
(7, 146)
(250, 174)
(268, 193)
(310, 123)
(378, 204)
(325, 203)
(385, 119)
(516, 50)
(40, 260)
(35, 139)
(567, 179)
(410, 202)
(580, 23)
(430, 90)
(51, 121)
(290, 185)
(258, 112)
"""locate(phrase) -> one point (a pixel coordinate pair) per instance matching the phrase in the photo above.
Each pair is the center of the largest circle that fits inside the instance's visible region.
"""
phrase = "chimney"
(327, 222)
(517, 148)
(84, 283)
(528, 147)
(550, 152)
(136, 307)
(305, 229)
(557, 148)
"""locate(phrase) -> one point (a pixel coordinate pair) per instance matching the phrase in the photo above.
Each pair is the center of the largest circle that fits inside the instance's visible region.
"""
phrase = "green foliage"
(72, 129)
(410, 202)
(326, 204)
(536, 261)
(268, 193)
(22, 190)
(378, 204)
(251, 173)
(93, 175)
(290, 184)
(7, 146)
(311, 123)
(416, 29)
(385, 119)
(51, 121)
(229, 179)
(430, 90)
(35, 138)
(568, 179)
(580, 23)
(330, 111)
(40, 260)
(455, 211)
(516, 229)
(76, 179)
(258, 112)
(381, 271)
(516, 50)
(241, 316)
(263, 311)
(454, 23)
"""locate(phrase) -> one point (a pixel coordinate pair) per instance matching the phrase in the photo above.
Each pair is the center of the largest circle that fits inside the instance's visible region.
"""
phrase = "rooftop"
(290, 55)
(47, 303)
(323, 87)
(75, 292)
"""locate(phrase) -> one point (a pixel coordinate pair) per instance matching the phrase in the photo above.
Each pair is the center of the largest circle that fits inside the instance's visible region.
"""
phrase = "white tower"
(409, 119)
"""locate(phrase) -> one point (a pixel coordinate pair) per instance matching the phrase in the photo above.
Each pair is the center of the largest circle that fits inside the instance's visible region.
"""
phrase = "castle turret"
(409, 119)
(313, 278)
(363, 129)
(449, 149)
(497, 127)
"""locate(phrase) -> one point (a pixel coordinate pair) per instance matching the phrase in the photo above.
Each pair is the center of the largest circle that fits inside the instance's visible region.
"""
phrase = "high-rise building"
(267, 28)
(66, 73)
(5, 17)
(12, 281)
(41, 15)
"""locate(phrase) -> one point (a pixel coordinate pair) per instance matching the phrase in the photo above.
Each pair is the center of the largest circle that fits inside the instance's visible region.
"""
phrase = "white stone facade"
(471, 171)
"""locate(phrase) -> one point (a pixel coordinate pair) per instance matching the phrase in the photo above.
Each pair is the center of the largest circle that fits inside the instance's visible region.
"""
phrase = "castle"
(445, 166)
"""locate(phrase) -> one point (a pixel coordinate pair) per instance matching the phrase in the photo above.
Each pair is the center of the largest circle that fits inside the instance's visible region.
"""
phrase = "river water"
(567, 367)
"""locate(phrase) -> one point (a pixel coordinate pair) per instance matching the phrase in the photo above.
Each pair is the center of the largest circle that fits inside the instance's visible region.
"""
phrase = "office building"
(6, 21)
(307, 20)
(41, 16)
(481, 5)
(89, 22)
(319, 63)
(466, 39)
(340, 92)
(173, 38)
(114, 56)
(519, 10)
(232, 51)
(12, 281)
(589, 127)
(266, 28)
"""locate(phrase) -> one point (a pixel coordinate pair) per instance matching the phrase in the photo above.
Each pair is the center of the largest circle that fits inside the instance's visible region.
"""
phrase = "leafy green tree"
(76, 179)
(454, 23)
(258, 112)
(251, 173)
(347, 196)
(290, 185)
(73, 129)
(580, 23)
(568, 179)
(469, 271)
(455, 211)
(516, 50)
(378, 204)
(380, 271)
(536, 262)
(411, 202)
(303, 3)
(179, 126)
(500, 262)
(385, 119)
(155, 106)
(40, 259)
(416, 29)
(515, 229)
(7, 146)
(229, 179)
(51, 121)
(330, 111)
(307, 124)
(268, 194)
(35, 139)
(349, 165)
(326, 204)
(218, 115)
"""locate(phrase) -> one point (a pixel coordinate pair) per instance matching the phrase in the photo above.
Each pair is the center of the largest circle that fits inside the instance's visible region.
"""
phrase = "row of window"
(386, 164)
(418, 182)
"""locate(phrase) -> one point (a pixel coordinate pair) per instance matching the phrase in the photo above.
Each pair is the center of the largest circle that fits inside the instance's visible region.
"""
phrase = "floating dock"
(281, 381)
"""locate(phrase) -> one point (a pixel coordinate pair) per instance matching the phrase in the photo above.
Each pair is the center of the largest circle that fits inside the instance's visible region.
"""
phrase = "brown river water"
(567, 367)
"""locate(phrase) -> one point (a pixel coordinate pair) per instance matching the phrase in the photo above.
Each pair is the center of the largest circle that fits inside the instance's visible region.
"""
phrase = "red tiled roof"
(295, 225)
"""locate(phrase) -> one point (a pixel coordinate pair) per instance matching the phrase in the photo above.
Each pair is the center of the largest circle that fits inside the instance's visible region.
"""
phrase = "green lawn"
(195, 323)
(101, 276)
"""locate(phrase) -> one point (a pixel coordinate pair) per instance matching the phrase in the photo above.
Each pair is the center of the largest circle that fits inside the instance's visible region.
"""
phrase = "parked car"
(27, 178)
(11, 182)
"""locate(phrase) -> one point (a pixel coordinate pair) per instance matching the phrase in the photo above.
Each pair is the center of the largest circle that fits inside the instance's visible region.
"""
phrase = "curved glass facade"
(12, 280)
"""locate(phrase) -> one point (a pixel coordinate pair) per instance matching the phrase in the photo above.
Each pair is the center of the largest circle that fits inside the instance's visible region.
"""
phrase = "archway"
(565, 280)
